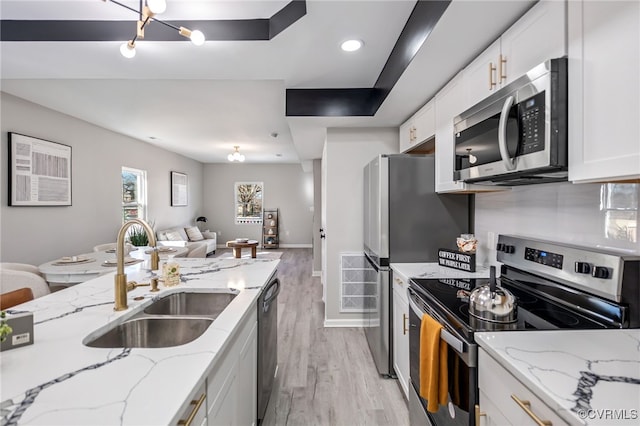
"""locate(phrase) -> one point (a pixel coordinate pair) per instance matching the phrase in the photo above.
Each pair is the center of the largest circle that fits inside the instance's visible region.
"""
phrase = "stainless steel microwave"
(518, 135)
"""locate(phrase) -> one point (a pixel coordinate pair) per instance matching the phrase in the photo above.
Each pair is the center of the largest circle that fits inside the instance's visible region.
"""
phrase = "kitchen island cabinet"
(59, 380)
(575, 377)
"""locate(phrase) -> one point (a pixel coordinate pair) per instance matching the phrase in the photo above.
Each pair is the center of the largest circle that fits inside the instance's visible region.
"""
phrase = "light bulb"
(241, 158)
(230, 157)
(351, 45)
(128, 50)
(197, 38)
(157, 6)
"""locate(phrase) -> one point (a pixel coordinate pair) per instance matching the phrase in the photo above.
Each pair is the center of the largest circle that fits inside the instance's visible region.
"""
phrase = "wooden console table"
(237, 248)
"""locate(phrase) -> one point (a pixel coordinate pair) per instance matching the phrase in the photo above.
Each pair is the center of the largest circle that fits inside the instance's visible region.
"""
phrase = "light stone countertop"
(58, 380)
(433, 270)
(588, 377)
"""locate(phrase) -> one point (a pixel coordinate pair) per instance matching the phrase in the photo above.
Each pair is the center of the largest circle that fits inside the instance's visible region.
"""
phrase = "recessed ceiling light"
(351, 45)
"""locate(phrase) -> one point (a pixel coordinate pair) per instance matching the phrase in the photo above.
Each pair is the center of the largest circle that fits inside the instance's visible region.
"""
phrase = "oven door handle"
(457, 344)
(509, 163)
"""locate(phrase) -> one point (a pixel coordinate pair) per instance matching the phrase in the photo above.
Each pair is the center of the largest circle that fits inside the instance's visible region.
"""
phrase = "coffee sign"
(457, 260)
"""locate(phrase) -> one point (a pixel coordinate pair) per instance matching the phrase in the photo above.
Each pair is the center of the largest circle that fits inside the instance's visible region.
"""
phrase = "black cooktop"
(537, 309)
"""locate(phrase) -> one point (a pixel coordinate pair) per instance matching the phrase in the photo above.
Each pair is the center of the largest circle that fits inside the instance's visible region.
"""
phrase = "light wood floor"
(326, 376)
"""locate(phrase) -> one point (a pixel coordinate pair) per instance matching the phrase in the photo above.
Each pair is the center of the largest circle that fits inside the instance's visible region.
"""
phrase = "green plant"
(5, 329)
(138, 236)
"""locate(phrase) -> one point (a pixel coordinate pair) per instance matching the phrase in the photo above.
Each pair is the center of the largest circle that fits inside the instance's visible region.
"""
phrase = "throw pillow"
(194, 234)
(209, 235)
(173, 236)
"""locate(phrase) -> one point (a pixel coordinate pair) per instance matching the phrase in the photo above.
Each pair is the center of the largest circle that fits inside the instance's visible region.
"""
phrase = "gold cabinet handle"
(479, 414)
(526, 406)
(492, 69)
(503, 68)
(404, 324)
(192, 416)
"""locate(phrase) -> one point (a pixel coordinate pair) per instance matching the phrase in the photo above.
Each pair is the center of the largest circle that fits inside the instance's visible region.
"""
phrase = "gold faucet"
(121, 277)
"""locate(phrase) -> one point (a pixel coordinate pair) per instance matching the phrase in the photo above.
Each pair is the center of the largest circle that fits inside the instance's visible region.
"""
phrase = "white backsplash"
(592, 215)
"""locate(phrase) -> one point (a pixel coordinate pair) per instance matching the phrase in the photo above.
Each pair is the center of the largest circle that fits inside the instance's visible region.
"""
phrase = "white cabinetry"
(401, 330)
(449, 103)
(604, 88)
(232, 386)
(536, 37)
(419, 128)
(504, 400)
(194, 412)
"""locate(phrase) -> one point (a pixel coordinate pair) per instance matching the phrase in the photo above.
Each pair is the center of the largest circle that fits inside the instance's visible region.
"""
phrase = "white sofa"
(178, 237)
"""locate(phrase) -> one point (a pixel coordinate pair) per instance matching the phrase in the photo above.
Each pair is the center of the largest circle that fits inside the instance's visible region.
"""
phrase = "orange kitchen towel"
(433, 364)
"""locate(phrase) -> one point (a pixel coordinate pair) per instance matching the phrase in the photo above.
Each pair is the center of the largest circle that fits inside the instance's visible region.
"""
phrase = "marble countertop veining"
(433, 270)
(589, 377)
(58, 380)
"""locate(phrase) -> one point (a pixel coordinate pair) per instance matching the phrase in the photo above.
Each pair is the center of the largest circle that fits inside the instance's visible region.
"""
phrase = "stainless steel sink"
(152, 332)
(201, 304)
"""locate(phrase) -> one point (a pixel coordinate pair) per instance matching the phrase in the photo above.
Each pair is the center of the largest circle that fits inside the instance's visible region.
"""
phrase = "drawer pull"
(479, 414)
(197, 404)
(404, 324)
(526, 406)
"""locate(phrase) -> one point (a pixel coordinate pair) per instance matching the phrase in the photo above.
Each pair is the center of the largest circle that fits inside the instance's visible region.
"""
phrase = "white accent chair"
(197, 250)
(112, 246)
(14, 276)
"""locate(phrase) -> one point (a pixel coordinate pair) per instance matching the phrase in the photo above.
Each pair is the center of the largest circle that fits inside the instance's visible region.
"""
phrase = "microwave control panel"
(532, 125)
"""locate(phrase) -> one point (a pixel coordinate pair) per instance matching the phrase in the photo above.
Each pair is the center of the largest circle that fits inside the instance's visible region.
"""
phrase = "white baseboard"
(316, 274)
(344, 323)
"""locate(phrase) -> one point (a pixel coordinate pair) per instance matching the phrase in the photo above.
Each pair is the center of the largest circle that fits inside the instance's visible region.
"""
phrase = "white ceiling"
(201, 101)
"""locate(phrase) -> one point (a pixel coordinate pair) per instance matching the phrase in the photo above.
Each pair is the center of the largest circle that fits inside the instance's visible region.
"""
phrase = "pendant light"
(236, 156)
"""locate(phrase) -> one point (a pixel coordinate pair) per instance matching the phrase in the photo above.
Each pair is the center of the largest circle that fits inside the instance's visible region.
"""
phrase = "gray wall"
(286, 187)
(38, 234)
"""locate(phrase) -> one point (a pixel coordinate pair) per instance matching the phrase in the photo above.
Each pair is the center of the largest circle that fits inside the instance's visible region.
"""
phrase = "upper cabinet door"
(481, 76)
(406, 136)
(425, 122)
(538, 36)
(604, 89)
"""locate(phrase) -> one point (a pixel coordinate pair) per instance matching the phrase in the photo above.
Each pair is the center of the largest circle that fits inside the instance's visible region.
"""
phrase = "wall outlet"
(220, 233)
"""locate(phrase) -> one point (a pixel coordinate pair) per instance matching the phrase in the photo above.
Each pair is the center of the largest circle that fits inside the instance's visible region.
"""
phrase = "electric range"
(557, 286)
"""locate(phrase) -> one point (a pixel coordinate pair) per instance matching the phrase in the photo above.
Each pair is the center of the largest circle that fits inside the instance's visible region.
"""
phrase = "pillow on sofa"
(173, 236)
(194, 233)
(209, 235)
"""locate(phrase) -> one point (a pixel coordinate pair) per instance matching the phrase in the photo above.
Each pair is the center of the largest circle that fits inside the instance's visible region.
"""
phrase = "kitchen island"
(585, 377)
(59, 380)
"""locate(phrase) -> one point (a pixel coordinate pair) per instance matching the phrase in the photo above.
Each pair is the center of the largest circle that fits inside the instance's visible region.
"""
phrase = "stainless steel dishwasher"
(267, 343)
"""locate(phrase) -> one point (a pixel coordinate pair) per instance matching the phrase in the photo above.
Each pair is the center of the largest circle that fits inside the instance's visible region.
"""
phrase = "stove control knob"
(583, 268)
(500, 247)
(601, 272)
(509, 249)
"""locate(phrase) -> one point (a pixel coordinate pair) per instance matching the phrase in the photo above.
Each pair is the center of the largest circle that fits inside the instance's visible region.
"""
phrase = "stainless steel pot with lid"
(493, 303)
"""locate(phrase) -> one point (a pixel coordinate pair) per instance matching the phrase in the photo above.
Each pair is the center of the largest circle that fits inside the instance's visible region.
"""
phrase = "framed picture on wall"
(179, 189)
(39, 172)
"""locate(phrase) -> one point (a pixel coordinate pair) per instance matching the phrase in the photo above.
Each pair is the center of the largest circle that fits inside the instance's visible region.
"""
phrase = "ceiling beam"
(366, 101)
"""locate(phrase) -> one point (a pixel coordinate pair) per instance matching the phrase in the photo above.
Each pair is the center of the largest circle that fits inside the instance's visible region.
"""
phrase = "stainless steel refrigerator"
(404, 221)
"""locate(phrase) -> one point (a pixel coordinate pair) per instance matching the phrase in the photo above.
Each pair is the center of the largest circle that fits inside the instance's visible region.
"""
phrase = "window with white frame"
(134, 194)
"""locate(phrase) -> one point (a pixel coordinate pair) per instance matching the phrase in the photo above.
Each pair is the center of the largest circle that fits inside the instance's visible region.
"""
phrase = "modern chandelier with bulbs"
(148, 10)
(236, 156)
